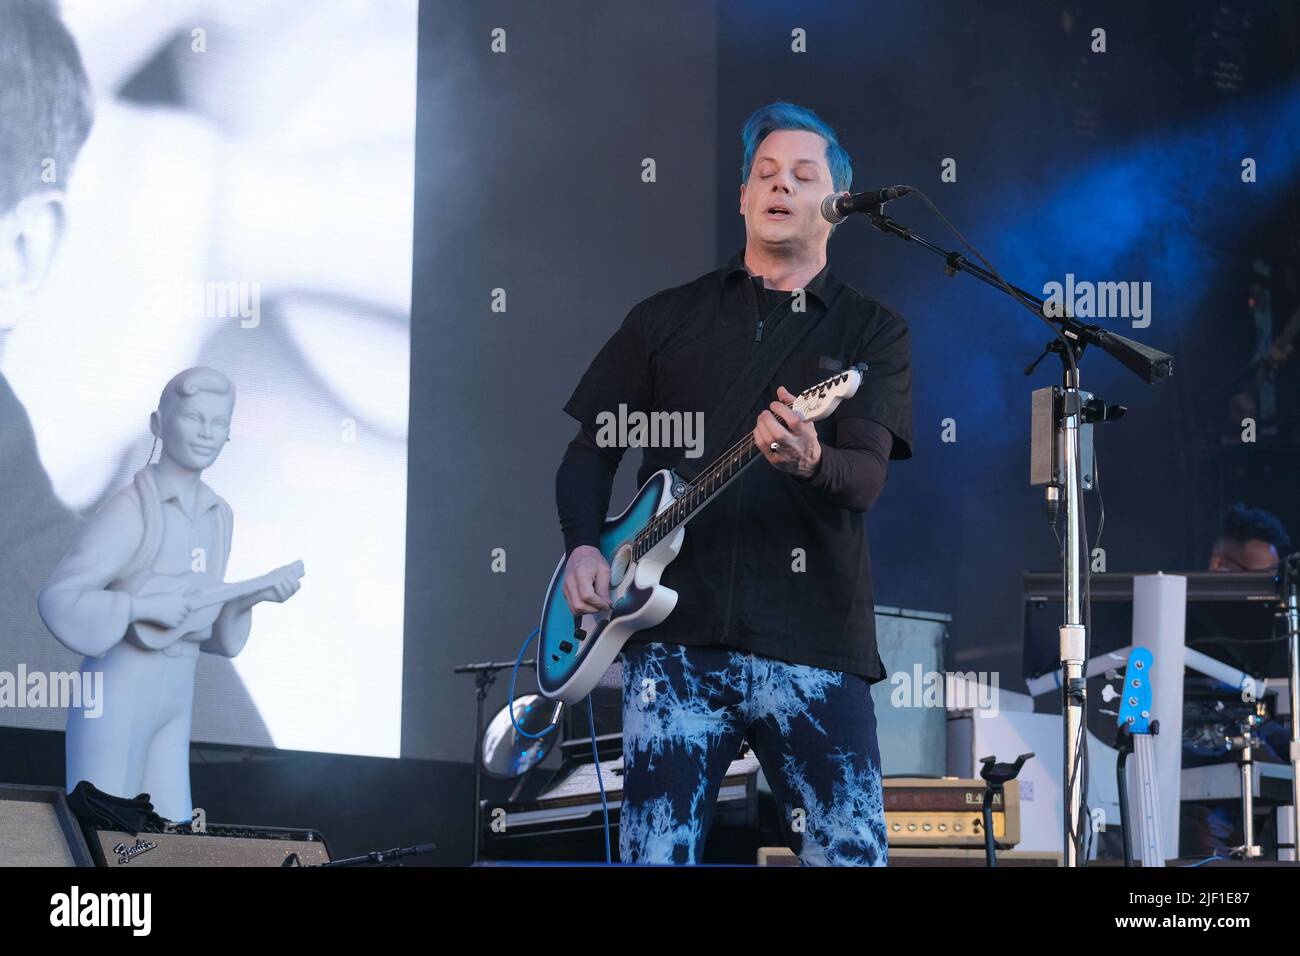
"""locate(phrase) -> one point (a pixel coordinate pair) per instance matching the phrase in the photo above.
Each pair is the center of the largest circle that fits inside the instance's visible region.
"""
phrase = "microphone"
(839, 206)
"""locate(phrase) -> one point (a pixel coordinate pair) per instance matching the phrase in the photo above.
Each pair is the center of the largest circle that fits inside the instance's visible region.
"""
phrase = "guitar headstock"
(820, 401)
(1135, 694)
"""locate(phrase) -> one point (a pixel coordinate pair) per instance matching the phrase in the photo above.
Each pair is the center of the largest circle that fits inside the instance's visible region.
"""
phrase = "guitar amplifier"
(948, 812)
(217, 845)
(38, 829)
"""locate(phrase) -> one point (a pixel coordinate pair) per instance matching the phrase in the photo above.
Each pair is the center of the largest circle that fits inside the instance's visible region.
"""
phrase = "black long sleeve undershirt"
(582, 487)
(851, 475)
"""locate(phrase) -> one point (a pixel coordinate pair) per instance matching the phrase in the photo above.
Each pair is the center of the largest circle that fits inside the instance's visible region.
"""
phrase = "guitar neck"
(698, 493)
(1148, 801)
(237, 589)
(811, 405)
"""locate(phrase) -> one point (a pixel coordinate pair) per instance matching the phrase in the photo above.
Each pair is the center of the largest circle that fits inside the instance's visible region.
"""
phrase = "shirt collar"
(823, 285)
(205, 498)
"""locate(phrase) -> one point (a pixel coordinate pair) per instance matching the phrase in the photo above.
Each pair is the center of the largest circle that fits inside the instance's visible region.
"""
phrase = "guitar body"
(568, 667)
(145, 584)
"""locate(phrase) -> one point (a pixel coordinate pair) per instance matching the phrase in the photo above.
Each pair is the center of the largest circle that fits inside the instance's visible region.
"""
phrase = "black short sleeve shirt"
(772, 566)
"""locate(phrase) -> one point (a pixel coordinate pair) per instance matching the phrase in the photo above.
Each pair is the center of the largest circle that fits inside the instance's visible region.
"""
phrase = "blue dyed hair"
(781, 115)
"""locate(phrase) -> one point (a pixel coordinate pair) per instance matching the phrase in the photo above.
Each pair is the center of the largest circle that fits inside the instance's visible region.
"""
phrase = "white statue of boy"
(140, 595)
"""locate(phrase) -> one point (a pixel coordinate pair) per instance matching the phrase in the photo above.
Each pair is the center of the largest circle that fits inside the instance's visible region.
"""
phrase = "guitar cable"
(591, 725)
(514, 673)
(600, 782)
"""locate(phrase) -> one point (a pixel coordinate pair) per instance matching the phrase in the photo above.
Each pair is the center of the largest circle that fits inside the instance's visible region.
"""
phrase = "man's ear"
(742, 199)
(155, 425)
(30, 236)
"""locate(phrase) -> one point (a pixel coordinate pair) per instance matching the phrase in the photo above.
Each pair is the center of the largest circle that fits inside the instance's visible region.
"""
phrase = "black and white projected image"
(242, 200)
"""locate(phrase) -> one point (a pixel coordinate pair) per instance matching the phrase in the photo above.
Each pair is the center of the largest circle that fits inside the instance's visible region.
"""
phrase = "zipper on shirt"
(736, 491)
(760, 321)
(731, 575)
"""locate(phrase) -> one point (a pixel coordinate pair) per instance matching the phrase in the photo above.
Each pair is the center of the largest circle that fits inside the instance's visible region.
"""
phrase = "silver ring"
(775, 446)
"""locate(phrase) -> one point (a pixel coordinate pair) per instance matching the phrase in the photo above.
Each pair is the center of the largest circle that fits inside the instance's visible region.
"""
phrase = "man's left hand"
(800, 453)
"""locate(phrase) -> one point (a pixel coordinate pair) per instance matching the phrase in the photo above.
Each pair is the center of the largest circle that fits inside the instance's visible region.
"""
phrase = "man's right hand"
(165, 610)
(586, 581)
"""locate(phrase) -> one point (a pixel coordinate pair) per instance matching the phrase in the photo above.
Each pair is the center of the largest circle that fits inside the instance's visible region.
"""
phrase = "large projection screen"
(243, 201)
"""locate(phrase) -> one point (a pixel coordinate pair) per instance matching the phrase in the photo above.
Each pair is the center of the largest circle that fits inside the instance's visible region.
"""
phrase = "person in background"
(1250, 540)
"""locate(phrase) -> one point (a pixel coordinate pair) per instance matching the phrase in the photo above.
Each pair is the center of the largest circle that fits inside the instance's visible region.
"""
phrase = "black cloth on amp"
(102, 811)
(777, 565)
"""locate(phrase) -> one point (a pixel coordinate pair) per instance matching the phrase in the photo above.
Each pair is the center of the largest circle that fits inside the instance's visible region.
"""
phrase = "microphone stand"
(1291, 585)
(485, 675)
(1072, 411)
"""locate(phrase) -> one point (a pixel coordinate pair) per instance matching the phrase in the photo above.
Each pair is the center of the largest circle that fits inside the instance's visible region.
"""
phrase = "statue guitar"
(573, 652)
(205, 605)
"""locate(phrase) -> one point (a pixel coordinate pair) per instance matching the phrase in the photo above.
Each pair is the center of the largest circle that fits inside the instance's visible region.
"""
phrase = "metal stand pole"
(1244, 745)
(483, 679)
(1291, 574)
(1074, 690)
(1247, 801)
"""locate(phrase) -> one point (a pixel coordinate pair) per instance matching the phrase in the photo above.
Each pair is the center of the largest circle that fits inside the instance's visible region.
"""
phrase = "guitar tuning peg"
(1111, 713)
(1109, 693)
(1112, 674)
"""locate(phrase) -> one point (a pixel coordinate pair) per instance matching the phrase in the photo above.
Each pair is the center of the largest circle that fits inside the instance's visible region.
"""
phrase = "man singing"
(773, 637)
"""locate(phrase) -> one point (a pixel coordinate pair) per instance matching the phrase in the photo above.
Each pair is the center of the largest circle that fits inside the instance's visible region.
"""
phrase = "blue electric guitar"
(573, 652)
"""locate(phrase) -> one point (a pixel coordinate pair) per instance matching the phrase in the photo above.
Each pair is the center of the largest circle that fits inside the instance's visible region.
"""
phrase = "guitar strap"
(737, 409)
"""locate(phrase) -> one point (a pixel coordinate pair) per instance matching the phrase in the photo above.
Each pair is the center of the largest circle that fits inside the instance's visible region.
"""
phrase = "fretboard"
(698, 493)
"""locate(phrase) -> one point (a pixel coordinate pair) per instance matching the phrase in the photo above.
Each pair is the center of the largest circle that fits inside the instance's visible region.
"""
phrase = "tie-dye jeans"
(686, 711)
